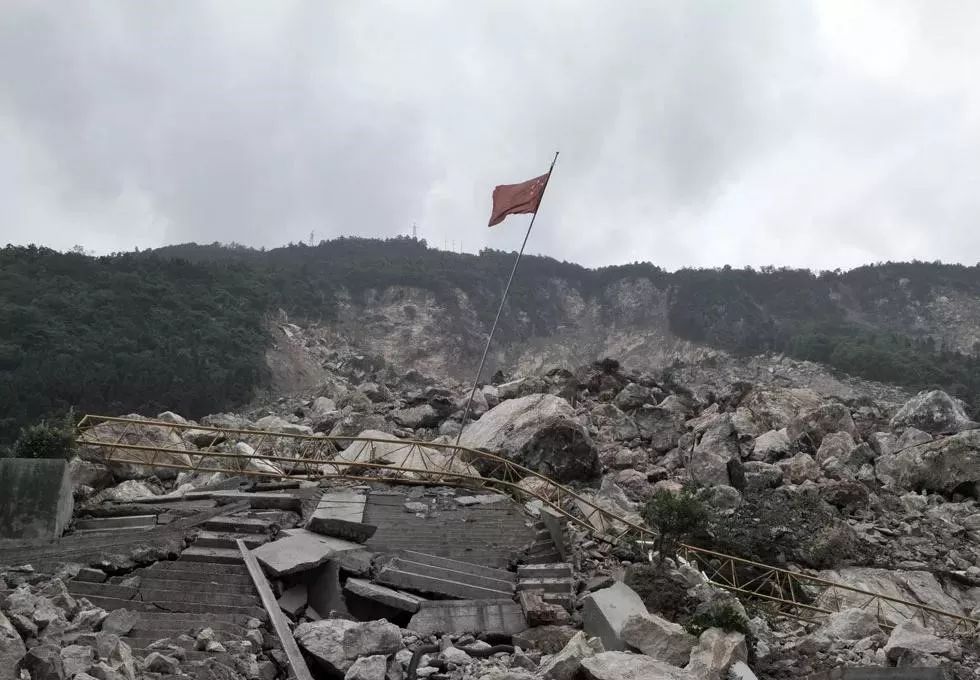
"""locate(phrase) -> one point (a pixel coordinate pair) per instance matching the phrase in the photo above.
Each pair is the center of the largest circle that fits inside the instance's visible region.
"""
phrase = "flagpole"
(503, 299)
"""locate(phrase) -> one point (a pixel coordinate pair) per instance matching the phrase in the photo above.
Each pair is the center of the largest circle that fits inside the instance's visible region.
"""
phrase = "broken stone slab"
(499, 616)
(483, 499)
(538, 612)
(336, 644)
(605, 611)
(293, 601)
(341, 514)
(388, 597)
(299, 551)
(626, 666)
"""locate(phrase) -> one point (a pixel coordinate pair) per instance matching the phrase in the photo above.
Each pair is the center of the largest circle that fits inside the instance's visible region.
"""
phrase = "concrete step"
(240, 525)
(541, 547)
(437, 586)
(548, 585)
(189, 655)
(110, 523)
(458, 565)
(207, 568)
(142, 642)
(221, 539)
(155, 630)
(213, 555)
(167, 599)
(158, 620)
(566, 600)
(111, 603)
(504, 586)
(153, 583)
(191, 577)
(553, 570)
(544, 558)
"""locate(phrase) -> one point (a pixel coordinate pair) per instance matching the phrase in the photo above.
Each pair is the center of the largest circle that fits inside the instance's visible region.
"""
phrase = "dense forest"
(183, 327)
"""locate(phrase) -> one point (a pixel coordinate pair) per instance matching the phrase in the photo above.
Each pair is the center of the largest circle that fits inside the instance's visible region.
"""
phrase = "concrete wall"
(35, 498)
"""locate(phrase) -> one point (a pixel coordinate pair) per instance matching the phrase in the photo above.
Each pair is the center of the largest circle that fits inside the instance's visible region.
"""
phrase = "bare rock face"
(940, 466)
(336, 644)
(539, 432)
(935, 412)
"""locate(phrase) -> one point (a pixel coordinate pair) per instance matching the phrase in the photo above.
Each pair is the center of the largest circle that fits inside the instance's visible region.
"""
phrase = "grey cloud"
(697, 133)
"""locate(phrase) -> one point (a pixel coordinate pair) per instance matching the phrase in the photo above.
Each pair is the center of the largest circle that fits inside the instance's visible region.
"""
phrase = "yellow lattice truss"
(286, 456)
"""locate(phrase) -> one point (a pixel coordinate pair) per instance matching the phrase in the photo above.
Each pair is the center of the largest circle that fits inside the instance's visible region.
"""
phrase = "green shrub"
(726, 617)
(46, 440)
(677, 517)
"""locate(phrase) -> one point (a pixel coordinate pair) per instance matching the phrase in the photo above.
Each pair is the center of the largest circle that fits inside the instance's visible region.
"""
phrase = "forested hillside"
(183, 327)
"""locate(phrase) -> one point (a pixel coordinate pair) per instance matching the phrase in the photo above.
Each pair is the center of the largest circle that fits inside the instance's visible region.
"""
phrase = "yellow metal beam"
(299, 456)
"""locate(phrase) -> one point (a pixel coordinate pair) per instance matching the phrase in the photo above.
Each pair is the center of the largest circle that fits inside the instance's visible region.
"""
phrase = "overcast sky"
(824, 134)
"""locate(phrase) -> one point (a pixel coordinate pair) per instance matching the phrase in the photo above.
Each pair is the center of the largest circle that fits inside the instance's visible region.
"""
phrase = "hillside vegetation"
(183, 327)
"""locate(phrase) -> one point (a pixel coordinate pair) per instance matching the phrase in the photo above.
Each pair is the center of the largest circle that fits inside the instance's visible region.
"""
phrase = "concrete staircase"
(543, 550)
(207, 587)
(442, 577)
(555, 580)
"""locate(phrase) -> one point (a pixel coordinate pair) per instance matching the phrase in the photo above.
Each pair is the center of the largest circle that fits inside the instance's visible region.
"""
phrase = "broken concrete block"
(465, 616)
(341, 514)
(299, 551)
(35, 498)
(293, 601)
(605, 611)
(385, 596)
(323, 587)
(538, 612)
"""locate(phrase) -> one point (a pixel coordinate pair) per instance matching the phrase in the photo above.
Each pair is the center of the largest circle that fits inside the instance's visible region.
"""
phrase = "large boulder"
(539, 432)
(715, 454)
(812, 426)
(565, 665)
(662, 426)
(933, 411)
(160, 444)
(850, 624)
(940, 466)
(397, 453)
(911, 638)
(770, 446)
(43, 663)
(626, 666)
(716, 652)
(414, 417)
(337, 643)
(773, 408)
(659, 638)
(634, 396)
(11, 649)
(605, 611)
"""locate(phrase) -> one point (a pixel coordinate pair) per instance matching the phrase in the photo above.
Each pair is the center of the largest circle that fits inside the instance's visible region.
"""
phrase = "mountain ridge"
(190, 323)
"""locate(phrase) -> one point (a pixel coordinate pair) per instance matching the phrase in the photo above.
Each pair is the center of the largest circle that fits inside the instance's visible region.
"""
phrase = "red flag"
(513, 199)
